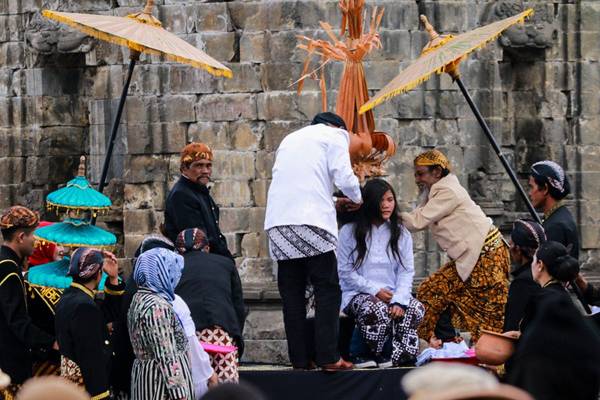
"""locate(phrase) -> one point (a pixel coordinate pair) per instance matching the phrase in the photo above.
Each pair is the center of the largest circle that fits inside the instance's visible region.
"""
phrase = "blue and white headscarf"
(159, 270)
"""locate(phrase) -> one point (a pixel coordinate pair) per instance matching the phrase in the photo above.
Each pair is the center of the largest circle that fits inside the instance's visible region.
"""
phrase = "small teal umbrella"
(76, 233)
(78, 195)
(54, 275)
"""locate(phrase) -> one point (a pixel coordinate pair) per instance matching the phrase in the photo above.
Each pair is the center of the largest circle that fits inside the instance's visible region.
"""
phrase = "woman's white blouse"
(380, 268)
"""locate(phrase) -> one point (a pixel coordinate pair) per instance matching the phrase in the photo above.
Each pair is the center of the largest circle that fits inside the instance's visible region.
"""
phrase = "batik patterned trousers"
(224, 365)
(375, 325)
(476, 304)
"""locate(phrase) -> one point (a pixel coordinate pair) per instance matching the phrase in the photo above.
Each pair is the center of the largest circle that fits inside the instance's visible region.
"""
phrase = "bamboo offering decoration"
(369, 149)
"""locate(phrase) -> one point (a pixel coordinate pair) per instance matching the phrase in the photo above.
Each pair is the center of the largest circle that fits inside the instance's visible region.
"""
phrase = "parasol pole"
(509, 170)
(494, 143)
(133, 58)
(113, 135)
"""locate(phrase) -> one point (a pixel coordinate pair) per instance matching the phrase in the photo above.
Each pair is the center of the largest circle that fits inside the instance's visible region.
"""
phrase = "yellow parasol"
(442, 54)
(142, 33)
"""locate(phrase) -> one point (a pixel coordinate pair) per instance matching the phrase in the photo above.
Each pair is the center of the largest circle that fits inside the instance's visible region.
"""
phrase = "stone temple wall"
(538, 87)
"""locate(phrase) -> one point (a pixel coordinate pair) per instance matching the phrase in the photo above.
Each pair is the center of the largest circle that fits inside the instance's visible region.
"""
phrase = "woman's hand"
(396, 311)
(385, 295)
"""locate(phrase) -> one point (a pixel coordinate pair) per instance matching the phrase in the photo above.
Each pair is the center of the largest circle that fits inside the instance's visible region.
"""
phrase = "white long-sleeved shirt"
(380, 268)
(199, 359)
(309, 163)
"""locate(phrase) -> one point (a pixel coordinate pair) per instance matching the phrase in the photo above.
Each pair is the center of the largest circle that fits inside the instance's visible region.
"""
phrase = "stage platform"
(283, 383)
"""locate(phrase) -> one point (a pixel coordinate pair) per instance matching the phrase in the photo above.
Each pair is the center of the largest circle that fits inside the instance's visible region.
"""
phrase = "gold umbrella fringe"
(411, 85)
(135, 46)
(58, 208)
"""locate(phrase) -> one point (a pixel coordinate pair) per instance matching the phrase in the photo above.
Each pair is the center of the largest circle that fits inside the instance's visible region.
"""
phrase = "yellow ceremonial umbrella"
(141, 32)
(444, 53)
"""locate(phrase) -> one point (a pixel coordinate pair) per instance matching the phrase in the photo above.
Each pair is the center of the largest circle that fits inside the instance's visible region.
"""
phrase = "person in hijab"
(302, 229)
(548, 187)
(210, 285)
(161, 369)
(473, 285)
(18, 334)
(525, 238)
(81, 325)
(121, 373)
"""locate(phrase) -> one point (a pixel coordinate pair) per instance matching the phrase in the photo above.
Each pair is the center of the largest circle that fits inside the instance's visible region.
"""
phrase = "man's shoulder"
(8, 267)
(209, 258)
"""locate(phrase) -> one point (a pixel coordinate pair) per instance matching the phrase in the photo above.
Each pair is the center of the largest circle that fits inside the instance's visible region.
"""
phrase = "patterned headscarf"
(528, 233)
(552, 173)
(190, 240)
(432, 158)
(194, 152)
(159, 270)
(19, 217)
(85, 263)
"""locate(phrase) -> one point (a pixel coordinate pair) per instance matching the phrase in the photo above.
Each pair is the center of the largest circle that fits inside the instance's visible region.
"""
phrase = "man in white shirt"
(302, 229)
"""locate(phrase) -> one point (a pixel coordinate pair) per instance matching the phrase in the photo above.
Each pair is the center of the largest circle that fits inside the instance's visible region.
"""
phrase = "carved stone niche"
(45, 36)
(538, 32)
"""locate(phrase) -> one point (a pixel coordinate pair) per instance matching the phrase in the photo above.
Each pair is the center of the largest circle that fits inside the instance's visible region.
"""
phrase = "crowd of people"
(174, 327)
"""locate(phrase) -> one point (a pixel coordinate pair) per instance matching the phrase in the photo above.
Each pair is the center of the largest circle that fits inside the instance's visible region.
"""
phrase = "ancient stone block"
(260, 188)
(260, 350)
(214, 134)
(246, 78)
(142, 196)
(155, 138)
(13, 170)
(246, 135)
(230, 193)
(221, 46)
(226, 107)
(236, 165)
(138, 221)
(234, 220)
(254, 47)
(255, 270)
(143, 169)
(264, 164)
(264, 324)
(278, 106)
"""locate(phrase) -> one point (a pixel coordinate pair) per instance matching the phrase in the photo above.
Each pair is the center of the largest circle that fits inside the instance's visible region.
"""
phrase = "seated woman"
(552, 268)
(526, 237)
(375, 265)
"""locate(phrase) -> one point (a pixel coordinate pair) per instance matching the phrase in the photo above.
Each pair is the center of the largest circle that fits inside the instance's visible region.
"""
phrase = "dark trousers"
(292, 277)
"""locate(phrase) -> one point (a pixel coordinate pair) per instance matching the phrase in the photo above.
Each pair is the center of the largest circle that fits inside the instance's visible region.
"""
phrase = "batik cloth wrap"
(476, 304)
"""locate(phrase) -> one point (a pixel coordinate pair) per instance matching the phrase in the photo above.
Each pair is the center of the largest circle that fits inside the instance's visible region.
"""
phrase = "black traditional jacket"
(521, 290)
(82, 333)
(18, 335)
(189, 205)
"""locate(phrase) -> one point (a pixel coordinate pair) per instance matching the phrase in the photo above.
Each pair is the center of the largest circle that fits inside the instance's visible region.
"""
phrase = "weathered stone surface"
(226, 107)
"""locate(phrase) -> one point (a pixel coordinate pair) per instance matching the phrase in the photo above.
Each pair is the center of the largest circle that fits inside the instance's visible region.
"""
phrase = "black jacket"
(189, 205)
(211, 287)
(18, 335)
(560, 227)
(521, 290)
(82, 333)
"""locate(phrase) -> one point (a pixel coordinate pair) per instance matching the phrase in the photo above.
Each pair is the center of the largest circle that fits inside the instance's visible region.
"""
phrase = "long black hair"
(373, 193)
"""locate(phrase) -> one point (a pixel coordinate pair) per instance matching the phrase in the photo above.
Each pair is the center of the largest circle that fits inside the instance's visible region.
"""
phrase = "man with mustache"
(473, 286)
(189, 204)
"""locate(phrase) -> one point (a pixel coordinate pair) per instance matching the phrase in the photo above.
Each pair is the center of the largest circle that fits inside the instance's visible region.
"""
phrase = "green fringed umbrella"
(54, 275)
(78, 195)
(76, 233)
